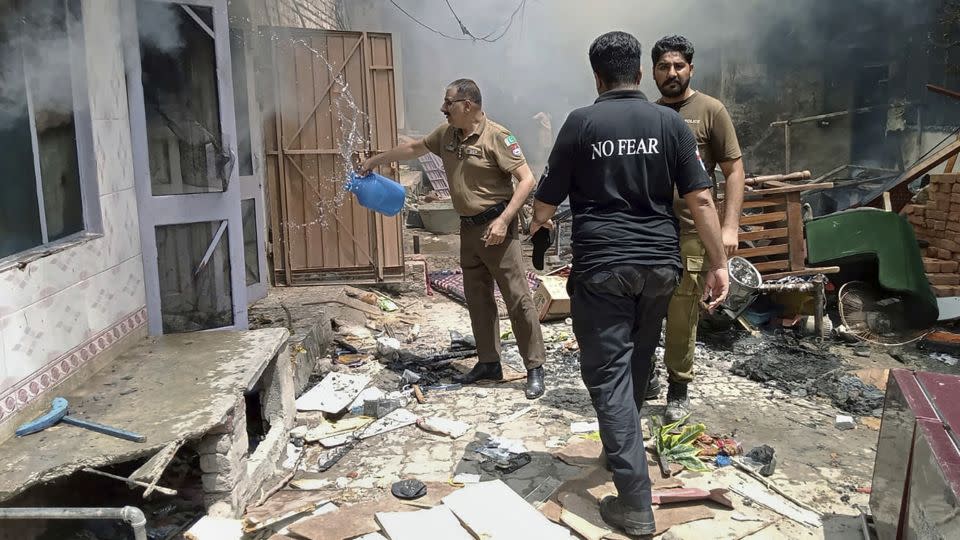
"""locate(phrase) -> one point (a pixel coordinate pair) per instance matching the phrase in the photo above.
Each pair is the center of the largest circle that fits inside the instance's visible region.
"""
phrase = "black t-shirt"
(619, 161)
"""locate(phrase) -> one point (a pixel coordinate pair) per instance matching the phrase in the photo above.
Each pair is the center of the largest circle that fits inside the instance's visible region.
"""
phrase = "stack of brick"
(937, 222)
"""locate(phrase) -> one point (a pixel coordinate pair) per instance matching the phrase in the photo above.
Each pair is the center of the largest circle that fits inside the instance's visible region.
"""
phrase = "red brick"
(954, 216)
(931, 266)
(943, 205)
(939, 225)
(942, 291)
(952, 245)
(944, 279)
(955, 188)
(953, 226)
(949, 267)
(938, 215)
(944, 254)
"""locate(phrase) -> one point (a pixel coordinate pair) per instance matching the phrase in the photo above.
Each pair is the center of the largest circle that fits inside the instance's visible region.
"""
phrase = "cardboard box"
(550, 298)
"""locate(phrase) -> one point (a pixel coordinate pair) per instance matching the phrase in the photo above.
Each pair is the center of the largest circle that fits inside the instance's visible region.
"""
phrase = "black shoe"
(632, 521)
(678, 403)
(482, 371)
(534, 383)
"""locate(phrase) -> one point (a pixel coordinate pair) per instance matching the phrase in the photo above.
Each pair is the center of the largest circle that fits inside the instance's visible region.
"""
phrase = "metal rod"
(786, 147)
(34, 136)
(196, 18)
(819, 294)
(165, 491)
(210, 249)
(827, 116)
(129, 514)
(828, 174)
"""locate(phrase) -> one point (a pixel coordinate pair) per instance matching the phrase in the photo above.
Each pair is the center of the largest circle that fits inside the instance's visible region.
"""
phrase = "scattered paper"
(466, 478)
(584, 427)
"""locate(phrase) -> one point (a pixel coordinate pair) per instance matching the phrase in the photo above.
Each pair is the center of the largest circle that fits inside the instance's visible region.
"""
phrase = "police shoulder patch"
(509, 140)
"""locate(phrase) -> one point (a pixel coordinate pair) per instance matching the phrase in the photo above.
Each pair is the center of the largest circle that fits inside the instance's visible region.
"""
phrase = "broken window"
(251, 255)
(40, 178)
(193, 260)
(241, 100)
(181, 99)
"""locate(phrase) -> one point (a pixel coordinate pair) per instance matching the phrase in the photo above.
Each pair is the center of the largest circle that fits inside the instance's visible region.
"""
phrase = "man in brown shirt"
(481, 159)
(717, 145)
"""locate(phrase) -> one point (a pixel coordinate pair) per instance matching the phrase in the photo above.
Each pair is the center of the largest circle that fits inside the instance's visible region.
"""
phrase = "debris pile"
(802, 370)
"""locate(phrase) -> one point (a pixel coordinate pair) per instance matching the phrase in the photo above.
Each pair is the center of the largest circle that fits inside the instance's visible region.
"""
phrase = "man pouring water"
(481, 159)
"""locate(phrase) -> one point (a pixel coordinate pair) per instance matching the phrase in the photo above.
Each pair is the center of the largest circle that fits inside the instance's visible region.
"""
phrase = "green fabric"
(683, 314)
(871, 244)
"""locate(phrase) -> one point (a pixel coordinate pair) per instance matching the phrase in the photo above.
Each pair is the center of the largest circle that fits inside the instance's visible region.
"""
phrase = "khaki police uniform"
(479, 171)
(716, 142)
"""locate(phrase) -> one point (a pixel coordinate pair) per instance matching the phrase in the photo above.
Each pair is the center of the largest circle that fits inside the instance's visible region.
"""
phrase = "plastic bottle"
(378, 193)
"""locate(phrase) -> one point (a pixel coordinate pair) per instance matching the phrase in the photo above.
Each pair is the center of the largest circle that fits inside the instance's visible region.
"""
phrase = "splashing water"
(351, 121)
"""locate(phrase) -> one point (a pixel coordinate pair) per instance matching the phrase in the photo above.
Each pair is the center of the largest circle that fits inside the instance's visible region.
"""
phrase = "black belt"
(486, 216)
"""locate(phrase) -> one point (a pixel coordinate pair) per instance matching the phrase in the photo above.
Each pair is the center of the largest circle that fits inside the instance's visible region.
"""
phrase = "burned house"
(134, 204)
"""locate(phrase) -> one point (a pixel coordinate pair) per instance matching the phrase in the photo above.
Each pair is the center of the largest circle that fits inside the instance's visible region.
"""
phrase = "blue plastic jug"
(377, 193)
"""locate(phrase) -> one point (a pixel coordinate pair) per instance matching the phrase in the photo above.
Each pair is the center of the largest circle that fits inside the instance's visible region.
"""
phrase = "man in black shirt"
(620, 160)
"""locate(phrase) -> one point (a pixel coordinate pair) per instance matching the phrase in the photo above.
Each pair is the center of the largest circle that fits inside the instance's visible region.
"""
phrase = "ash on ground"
(803, 369)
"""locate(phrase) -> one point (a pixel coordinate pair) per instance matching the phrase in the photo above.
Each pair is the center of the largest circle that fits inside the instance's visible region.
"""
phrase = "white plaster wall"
(58, 303)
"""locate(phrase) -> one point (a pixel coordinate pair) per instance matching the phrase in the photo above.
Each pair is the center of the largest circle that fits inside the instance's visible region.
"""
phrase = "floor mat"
(450, 282)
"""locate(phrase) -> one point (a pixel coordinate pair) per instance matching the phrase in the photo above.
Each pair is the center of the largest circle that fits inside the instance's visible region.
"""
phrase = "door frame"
(162, 210)
(251, 186)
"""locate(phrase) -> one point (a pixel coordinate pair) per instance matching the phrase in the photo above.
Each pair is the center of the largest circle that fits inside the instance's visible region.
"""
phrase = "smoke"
(766, 59)
(35, 59)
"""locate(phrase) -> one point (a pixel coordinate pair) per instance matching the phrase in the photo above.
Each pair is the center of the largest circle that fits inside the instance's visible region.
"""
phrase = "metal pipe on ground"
(128, 514)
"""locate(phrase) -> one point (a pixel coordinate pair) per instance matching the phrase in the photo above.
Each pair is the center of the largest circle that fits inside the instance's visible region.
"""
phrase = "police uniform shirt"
(620, 160)
(479, 167)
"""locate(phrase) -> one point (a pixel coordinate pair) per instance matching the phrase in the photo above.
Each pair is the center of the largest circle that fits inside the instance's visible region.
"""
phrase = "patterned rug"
(450, 283)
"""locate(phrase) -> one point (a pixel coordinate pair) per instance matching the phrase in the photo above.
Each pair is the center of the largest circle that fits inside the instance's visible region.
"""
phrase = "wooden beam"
(768, 217)
(772, 265)
(764, 234)
(762, 203)
(788, 189)
(795, 229)
(776, 249)
(943, 91)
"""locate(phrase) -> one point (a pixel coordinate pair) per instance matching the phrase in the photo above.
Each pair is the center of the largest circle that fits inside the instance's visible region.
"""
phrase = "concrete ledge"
(169, 388)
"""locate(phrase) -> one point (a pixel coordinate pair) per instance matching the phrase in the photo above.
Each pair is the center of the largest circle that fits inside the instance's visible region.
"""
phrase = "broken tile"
(213, 528)
(437, 522)
(395, 420)
(333, 394)
(493, 510)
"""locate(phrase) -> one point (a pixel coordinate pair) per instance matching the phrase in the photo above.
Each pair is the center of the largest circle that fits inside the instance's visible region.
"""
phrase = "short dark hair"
(467, 89)
(616, 57)
(667, 44)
